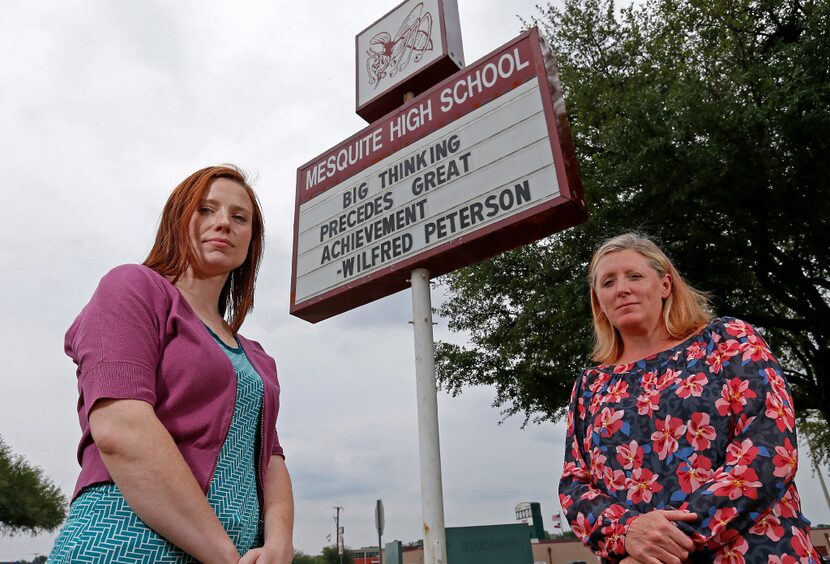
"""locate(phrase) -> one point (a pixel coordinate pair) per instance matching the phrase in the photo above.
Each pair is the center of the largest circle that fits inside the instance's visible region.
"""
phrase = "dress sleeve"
(761, 454)
(596, 518)
(115, 341)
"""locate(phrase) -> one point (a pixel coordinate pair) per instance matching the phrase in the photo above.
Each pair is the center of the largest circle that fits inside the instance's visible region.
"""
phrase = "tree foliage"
(29, 501)
(301, 557)
(705, 123)
(329, 555)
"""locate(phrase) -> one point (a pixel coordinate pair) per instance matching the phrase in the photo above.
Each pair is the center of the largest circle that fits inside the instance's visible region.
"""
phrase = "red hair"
(172, 252)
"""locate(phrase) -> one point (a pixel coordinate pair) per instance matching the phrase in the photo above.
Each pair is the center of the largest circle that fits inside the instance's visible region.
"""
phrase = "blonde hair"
(685, 310)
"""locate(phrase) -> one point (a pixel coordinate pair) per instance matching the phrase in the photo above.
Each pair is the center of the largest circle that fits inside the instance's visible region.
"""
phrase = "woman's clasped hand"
(653, 537)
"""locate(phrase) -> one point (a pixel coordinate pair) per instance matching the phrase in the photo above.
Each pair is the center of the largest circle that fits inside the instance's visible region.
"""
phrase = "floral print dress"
(706, 426)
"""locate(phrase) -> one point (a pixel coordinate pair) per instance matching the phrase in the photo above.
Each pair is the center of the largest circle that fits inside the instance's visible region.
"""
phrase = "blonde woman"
(681, 443)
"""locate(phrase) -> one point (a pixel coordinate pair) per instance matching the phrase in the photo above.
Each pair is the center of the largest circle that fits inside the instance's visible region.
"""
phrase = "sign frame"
(565, 210)
(449, 61)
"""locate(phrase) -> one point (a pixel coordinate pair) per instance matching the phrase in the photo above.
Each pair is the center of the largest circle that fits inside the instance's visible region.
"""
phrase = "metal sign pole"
(432, 493)
(338, 534)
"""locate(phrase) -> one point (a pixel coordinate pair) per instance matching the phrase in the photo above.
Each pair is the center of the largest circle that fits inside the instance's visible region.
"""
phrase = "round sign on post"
(379, 527)
(379, 516)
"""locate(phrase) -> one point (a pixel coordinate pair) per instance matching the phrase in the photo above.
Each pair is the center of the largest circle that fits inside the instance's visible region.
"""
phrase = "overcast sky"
(104, 107)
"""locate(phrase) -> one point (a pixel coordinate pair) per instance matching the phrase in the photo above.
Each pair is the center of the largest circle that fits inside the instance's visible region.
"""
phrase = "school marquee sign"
(478, 164)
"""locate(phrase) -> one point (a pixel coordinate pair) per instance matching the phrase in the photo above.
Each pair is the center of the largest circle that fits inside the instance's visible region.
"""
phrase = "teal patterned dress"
(101, 527)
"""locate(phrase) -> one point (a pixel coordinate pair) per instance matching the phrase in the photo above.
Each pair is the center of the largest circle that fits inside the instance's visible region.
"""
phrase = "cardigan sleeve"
(277, 449)
(116, 339)
(266, 366)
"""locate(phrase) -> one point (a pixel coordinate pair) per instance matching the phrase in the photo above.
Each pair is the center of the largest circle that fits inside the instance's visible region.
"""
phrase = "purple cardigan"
(138, 338)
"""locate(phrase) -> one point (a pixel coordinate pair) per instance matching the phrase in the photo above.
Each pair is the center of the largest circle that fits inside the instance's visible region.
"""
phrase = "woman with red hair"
(179, 455)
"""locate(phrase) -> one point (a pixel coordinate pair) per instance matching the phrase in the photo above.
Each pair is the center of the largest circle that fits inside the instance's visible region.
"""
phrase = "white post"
(432, 493)
(817, 468)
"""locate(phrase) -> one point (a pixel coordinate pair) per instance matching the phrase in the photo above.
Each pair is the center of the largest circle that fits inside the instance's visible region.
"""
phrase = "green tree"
(29, 501)
(330, 556)
(302, 558)
(705, 123)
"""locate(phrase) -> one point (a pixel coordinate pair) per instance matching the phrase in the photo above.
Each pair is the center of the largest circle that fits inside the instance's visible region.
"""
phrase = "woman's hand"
(269, 555)
(632, 560)
(653, 538)
(279, 518)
